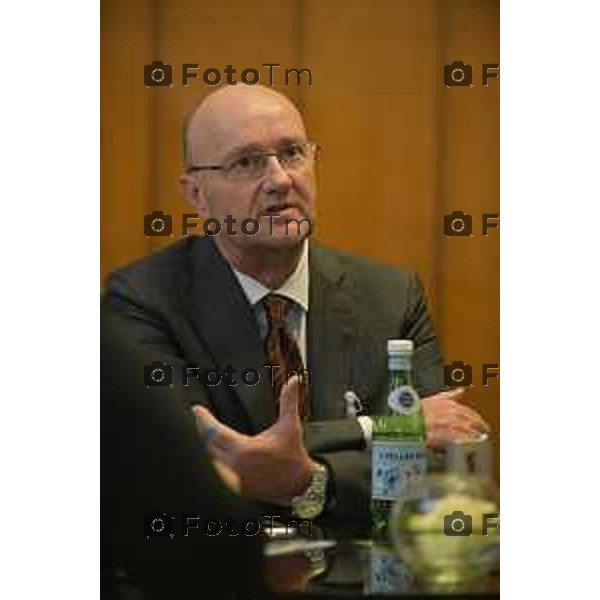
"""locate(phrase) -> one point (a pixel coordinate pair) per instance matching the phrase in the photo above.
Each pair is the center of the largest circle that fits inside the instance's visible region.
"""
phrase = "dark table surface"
(356, 567)
(353, 566)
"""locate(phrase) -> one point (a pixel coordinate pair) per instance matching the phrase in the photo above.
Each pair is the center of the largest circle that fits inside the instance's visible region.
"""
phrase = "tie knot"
(276, 308)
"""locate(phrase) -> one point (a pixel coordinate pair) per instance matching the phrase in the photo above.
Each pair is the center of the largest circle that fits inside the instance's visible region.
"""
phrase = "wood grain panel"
(373, 109)
(469, 268)
(125, 150)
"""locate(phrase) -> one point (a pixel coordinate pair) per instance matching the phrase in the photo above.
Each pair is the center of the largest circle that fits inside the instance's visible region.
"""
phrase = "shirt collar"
(295, 287)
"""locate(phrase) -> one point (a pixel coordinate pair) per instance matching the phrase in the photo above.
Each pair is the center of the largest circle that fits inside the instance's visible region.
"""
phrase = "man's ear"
(190, 188)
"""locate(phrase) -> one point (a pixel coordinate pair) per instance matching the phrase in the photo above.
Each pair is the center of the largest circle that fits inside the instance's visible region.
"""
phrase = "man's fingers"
(228, 475)
(457, 422)
(439, 438)
(474, 419)
(206, 424)
(449, 427)
(448, 420)
(212, 431)
(468, 416)
(220, 455)
(444, 406)
(454, 428)
(462, 415)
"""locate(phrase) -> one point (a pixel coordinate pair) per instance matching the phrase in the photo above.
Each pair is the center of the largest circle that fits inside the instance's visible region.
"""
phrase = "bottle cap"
(400, 346)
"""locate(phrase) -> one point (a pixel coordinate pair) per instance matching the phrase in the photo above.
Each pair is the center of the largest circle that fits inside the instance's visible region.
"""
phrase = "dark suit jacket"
(185, 305)
(151, 461)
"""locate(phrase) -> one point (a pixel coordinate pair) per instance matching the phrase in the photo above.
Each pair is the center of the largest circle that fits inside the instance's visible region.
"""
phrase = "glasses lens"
(247, 166)
(252, 166)
(294, 155)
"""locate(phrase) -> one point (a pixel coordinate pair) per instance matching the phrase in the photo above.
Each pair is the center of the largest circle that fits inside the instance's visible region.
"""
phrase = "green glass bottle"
(399, 436)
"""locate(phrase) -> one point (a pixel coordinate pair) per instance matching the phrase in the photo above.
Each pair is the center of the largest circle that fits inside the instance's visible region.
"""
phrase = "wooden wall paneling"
(469, 273)
(125, 150)
(373, 109)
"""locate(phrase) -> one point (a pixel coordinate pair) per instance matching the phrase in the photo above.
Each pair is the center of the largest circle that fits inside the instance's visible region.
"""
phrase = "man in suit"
(235, 300)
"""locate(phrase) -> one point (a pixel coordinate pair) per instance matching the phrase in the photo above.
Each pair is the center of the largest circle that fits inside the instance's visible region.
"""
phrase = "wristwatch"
(311, 503)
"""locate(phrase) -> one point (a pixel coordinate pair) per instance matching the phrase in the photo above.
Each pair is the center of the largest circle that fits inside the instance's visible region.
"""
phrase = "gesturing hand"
(447, 420)
(273, 466)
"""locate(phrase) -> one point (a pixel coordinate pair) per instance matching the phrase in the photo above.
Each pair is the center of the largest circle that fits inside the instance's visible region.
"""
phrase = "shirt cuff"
(366, 425)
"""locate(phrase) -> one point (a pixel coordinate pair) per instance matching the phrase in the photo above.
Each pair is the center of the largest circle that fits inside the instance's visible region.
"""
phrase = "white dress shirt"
(295, 287)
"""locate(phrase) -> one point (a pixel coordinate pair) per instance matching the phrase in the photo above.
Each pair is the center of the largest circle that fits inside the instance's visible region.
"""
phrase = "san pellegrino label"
(394, 465)
(404, 400)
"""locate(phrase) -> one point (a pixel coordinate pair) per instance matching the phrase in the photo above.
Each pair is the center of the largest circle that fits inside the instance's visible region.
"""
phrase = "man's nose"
(277, 179)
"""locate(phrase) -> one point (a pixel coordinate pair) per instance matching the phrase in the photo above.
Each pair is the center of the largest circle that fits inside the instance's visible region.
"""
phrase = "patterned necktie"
(282, 350)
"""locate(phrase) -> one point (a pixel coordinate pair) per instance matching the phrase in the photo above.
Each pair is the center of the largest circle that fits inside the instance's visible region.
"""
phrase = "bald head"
(224, 118)
(265, 174)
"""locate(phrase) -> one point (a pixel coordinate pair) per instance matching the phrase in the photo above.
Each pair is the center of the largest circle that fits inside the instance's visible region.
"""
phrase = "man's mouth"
(280, 209)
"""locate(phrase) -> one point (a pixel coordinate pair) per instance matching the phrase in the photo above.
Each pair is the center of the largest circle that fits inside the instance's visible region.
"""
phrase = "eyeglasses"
(253, 165)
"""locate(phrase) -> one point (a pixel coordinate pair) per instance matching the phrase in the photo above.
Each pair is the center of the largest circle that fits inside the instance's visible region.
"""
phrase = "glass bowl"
(447, 528)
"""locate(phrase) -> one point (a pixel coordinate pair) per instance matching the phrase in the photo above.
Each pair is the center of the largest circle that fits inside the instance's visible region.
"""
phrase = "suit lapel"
(225, 321)
(331, 334)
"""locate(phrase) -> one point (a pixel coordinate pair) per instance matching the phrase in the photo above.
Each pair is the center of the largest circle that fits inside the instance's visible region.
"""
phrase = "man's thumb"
(289, 399)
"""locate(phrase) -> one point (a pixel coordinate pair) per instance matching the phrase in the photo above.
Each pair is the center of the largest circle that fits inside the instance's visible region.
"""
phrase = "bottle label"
(395, 464)
(404, 400)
